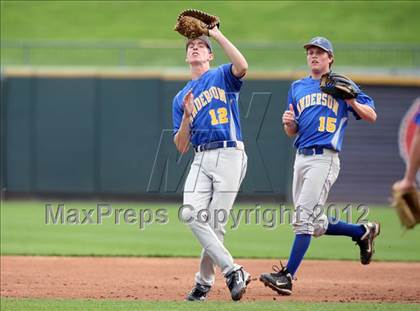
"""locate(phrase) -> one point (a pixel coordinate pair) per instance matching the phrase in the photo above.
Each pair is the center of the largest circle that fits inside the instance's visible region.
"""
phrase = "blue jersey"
(216, 111)
(321, 118)
(417, 117)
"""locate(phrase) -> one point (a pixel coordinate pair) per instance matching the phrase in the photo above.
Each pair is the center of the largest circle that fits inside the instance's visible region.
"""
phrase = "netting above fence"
(278, 56)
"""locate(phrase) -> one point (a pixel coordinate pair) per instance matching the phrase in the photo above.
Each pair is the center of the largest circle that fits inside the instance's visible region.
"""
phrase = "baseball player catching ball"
(206, 115)
(318, 120)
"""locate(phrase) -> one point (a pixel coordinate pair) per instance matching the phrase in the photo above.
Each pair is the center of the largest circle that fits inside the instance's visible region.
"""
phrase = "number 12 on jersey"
(220, 117)
(328, 126)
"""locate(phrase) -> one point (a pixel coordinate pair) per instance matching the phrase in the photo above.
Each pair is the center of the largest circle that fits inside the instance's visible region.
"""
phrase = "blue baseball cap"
(322, 43)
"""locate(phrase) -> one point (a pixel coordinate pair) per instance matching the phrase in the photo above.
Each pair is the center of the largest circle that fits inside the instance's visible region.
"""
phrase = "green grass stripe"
(63, 305)
(368, 22)
(292, 21)
(24, 232)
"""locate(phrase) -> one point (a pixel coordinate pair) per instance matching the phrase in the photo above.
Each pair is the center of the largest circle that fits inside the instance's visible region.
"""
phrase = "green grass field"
(254, 22)
(293, 21)
(24, 232)
(64, 305)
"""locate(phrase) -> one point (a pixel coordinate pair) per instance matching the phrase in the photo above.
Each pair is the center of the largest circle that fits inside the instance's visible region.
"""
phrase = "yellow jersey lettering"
(198, 104)
(202, 100)
(207, 95)
(313, 99)
(330, 100)
(214, 120)
(213, 91)
(324, 99)
(318, 98)
(222, 95)
(307, 101)
(300, 105)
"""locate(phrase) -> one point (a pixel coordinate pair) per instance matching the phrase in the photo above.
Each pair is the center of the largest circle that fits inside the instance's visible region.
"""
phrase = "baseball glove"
(408, 206)
(193, 23)
(338, 86)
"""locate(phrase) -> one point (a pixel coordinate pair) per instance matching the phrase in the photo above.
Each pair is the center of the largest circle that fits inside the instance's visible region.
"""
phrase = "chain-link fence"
(158, 54)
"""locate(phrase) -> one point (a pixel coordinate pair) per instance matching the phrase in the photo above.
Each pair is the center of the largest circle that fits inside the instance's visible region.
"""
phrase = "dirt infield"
(172, 278)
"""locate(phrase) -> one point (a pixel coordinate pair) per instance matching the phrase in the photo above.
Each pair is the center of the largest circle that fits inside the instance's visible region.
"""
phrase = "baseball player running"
(206, 115)
(318, 121)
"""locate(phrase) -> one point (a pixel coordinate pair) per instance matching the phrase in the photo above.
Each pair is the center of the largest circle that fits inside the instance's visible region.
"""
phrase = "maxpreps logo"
(407, 129)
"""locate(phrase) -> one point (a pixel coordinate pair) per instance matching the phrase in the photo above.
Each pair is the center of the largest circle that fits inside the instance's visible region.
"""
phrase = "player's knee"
(186, 214)
(320, 226)
(302, 221)
(303, 227)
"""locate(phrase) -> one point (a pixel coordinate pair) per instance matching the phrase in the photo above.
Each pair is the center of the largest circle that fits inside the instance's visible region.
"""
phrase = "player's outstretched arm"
(182, 138)
(364, 111)
(240, 65)
(413, 164)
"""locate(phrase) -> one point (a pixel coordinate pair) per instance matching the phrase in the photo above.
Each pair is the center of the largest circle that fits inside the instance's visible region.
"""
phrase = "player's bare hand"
(188, 104)
(403, 185)
(289, 116)
(350, 101)
(214, 32)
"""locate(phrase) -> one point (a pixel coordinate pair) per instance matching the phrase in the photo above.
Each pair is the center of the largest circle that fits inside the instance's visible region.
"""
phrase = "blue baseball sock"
(300, 246)
(343, 228)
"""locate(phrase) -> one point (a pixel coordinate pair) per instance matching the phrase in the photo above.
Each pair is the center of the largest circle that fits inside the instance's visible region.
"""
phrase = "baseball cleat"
(237, 282)
(280, 281)
(198, 293)
(366, 242)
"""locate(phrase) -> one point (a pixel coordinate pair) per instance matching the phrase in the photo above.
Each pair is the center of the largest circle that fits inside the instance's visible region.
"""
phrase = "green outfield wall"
(93, 135)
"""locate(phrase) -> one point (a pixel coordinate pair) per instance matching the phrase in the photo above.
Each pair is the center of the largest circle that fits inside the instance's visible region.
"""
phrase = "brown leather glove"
(407, 206)
(338, 86)
(193, 23)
